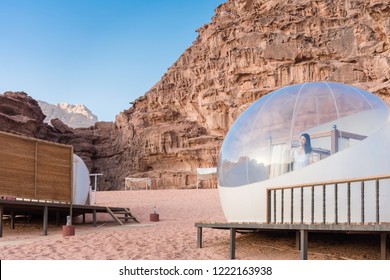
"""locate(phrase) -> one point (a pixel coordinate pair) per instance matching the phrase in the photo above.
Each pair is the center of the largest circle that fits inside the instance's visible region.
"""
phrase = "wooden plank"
(113, 216)
(53, 191)
(52, 160)
(48, 169)
(10, 141)
(34, 168)
(320, 134)
(7, 164)
(302, 232)
(58, 183)
(51, 146)
(43, 177)
(54, 153)
(15, 155)
(16, 183)
(17, 158)
(15, 137)
(54, 172)
(383, 227)
(355, 136)
(332, 182)
(52, 197)
(16, 176)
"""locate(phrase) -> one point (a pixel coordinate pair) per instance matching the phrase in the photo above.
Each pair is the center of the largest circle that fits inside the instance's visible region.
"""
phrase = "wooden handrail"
(336, 184)
(332, 182)
(333, 134)
(321, 134)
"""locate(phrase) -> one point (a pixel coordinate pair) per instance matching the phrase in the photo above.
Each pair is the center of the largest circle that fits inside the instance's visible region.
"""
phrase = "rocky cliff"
(21, 114)
(250, 48)
(75, 116)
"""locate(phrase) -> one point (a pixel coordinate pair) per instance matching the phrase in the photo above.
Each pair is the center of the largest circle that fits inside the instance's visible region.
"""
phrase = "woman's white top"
(300, 160)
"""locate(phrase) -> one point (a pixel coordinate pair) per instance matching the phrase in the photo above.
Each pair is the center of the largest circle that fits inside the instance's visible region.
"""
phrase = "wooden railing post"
(282, 207)
(315, 199)
(336, 210)
(312, 204)
(362, 202)
(377, 200)
(334, 135)
(274, 206)
(292, 205)
(349, 202)
(301, 205)
(324, 204)
(268, 206)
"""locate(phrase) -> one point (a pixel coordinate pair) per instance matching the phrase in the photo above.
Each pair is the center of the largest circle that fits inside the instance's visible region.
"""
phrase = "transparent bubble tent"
(349, 133)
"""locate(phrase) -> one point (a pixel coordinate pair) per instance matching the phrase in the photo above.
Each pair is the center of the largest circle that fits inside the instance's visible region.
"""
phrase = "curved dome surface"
(81, 181)
(257, 149)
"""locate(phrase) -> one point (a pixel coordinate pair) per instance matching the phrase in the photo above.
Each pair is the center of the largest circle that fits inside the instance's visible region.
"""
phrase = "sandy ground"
(173, 237)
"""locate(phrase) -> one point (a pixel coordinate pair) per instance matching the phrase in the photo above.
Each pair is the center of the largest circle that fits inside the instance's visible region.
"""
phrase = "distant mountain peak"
(75, 116)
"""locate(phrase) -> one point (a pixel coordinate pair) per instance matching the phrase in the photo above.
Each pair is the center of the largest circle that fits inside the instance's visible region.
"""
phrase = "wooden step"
(126, 212)
(121, 212)
(113, 216)
(126, 218)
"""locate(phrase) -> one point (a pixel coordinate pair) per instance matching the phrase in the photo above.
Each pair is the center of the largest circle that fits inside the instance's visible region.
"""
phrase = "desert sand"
(173, 237)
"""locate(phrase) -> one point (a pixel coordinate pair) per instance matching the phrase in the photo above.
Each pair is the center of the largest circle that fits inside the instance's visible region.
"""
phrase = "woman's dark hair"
(308, 148)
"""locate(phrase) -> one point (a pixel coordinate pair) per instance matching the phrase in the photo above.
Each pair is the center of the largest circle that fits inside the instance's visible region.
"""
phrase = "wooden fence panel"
(35, 169)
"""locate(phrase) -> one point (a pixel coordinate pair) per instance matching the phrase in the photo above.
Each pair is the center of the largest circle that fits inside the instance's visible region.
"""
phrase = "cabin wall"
(35, 169)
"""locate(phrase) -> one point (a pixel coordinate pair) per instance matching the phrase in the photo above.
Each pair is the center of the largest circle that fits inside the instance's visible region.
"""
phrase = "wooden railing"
(334, 135)
(273, 206)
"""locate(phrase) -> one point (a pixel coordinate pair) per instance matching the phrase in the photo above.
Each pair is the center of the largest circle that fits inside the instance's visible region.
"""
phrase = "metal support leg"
(94, 218)
(45, 219)
(384, 245)
(1, 220)
(12, 220)
(83, 218)
(297, 240)
(304, 241)
(57, 218)
(232, 243)
(199, 238)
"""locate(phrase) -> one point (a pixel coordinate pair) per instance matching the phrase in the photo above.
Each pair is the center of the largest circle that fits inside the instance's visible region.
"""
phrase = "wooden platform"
(13, 208)
(302, 231)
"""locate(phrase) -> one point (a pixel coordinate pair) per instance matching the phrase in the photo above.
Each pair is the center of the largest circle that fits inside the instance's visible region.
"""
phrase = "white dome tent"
(81, 181)
(350, 137)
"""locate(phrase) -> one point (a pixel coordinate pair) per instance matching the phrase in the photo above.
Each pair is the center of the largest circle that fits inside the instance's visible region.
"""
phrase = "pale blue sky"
(100, 53)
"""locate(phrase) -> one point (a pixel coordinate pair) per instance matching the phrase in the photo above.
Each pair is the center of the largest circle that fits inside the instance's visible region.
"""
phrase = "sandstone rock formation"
(250, 48)
(74, 116)
(20, 113)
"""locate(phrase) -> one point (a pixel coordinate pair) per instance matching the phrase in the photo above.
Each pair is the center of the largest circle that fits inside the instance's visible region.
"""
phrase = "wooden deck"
(302, 231)
(13, 208)
(281, 210)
